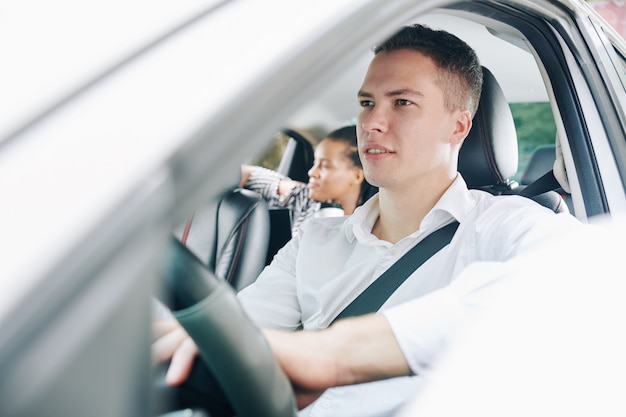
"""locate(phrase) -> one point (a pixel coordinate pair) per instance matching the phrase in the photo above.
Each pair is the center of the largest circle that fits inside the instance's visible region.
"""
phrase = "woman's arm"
(245, 174)
(285, 184)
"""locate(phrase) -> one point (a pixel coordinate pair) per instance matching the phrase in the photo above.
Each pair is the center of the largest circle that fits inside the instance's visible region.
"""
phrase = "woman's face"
(333, 175)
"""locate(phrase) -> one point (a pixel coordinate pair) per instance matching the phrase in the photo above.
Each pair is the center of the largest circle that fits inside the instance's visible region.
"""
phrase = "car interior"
(176, 228)
(230, 236)
(487, 161)
(235, 236)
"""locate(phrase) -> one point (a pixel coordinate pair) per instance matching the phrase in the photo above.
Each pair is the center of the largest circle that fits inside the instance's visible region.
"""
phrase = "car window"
(533, 121)
(270, 157)
(535, 126)
(281, 151)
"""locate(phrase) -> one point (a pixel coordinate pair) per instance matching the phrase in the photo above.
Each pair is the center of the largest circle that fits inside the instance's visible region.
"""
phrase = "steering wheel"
(233, 349)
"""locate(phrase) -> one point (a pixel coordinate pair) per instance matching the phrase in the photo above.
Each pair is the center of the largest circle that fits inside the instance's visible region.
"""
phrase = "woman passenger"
(336, 177)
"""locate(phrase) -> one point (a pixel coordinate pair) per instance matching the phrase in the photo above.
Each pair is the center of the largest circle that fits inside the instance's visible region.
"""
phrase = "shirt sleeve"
(272, 301)
(511, 226)
(301, 205)
(424, 326)
(265, 182)
(510, 230)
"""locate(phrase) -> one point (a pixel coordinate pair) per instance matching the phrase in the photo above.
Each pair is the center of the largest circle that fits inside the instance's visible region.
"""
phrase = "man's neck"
(401, 213)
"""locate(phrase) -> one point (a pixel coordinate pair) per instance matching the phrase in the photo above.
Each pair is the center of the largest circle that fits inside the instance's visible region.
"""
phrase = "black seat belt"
(545, 183)
(374, 296)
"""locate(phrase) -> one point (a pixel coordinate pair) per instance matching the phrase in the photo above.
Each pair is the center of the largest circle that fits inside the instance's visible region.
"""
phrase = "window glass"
(270, 157)
(533, 121)
(535, 127)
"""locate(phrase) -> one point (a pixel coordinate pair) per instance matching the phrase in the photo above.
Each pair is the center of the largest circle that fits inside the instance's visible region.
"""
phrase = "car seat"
(540, 163)
(488, 158)
(230, 236)
(296, 161)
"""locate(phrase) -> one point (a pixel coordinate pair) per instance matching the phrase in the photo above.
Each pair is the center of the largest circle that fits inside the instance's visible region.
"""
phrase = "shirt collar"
(456, 202)
(362, 221)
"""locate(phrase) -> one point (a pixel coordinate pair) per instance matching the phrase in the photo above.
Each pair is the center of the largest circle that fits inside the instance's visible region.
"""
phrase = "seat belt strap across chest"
(545, 183)
(374, 296)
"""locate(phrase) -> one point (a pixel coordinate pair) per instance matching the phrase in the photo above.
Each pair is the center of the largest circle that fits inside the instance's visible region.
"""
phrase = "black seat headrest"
(488, 157)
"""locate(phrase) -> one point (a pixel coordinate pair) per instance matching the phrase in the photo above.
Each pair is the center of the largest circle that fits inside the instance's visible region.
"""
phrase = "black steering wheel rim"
(231, 346)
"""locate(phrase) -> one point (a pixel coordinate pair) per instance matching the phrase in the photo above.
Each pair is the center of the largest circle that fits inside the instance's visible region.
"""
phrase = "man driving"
(417, 102)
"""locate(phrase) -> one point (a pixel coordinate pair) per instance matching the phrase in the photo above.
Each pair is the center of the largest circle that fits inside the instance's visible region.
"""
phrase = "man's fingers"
(165, 347)
(161, 327)
(182, 362)
(171, 341)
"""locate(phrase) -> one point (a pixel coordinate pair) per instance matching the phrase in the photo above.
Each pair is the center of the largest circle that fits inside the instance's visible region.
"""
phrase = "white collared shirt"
(546, 339)
(332, 260)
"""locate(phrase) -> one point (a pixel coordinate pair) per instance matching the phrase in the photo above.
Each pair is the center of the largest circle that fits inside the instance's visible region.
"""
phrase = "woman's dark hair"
(347, 134)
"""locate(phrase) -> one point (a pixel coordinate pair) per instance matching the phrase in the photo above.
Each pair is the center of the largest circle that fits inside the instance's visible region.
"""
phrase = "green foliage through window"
(535, 126)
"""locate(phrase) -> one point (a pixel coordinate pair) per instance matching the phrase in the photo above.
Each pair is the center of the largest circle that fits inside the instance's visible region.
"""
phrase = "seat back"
(488, 158)
(280, 233)
(296, 161)
(230, 236)
(541, 162)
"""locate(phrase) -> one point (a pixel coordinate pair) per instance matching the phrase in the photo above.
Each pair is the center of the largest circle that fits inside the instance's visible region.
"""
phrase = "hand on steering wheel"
(233, 349)
(172, 343)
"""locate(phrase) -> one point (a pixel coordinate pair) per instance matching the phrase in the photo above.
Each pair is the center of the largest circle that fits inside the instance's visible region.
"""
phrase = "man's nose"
(374, 120)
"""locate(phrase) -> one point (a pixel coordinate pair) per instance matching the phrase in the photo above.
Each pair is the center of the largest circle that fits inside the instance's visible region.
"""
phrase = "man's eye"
(366, 103)
(402, 102)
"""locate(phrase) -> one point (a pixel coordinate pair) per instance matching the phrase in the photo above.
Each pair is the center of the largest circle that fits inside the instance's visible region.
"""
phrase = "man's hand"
(304, 357)
(171, 341)
(351, 351)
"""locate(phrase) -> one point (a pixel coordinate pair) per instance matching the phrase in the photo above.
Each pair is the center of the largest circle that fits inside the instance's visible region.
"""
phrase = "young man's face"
(406, 135)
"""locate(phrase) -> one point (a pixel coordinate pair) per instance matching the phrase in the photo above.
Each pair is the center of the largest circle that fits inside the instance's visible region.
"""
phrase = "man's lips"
(376, 150)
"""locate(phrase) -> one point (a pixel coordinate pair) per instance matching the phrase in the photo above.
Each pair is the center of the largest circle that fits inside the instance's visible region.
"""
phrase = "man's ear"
(462, 126)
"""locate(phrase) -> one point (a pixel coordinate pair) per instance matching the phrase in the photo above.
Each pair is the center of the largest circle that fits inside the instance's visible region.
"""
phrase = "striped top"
(265, 182)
